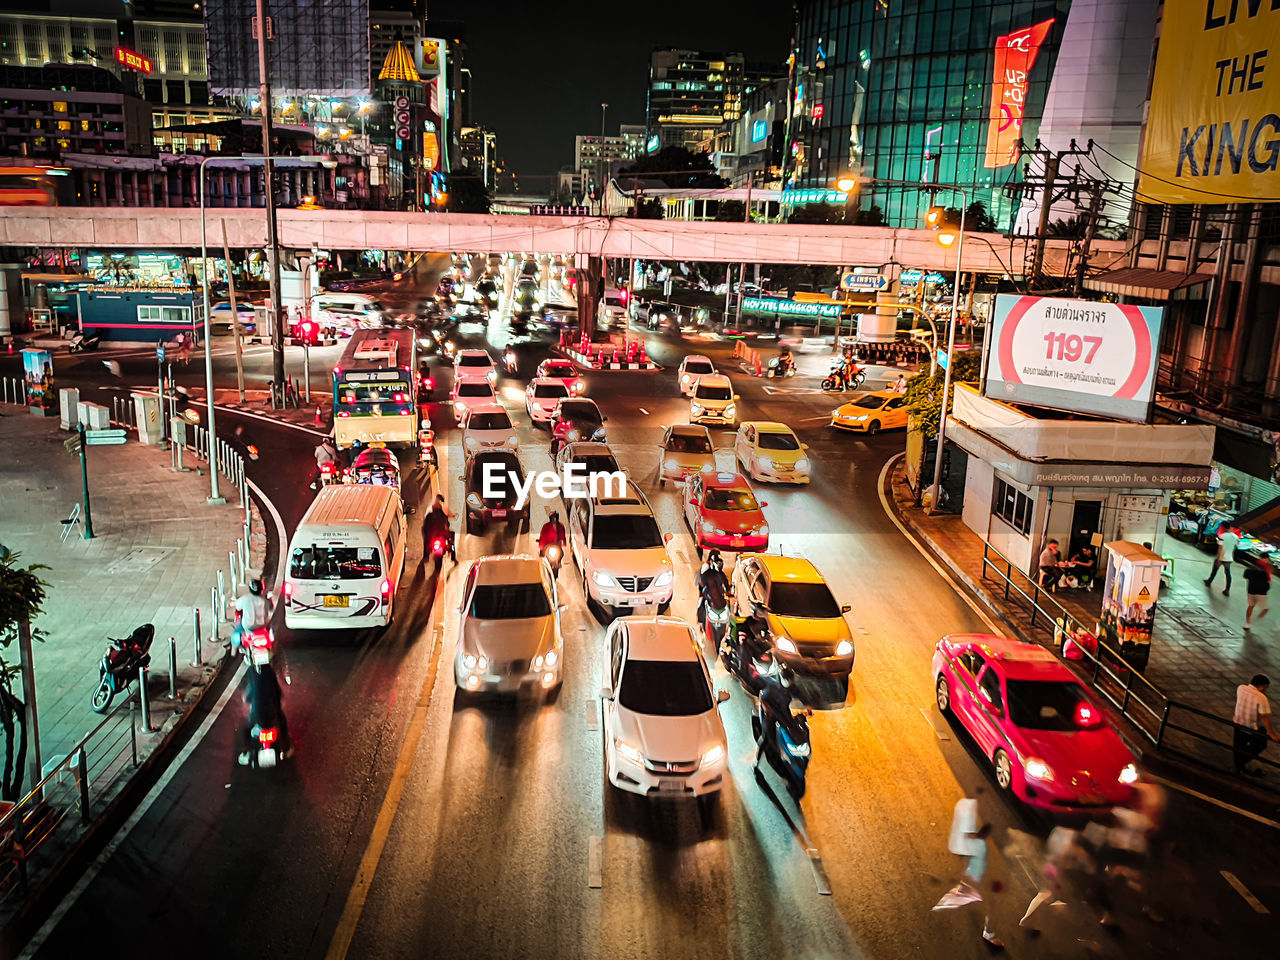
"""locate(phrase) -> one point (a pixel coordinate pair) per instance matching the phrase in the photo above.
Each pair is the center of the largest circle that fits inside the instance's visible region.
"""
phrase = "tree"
(1073, 227)
(676, 167)
(648, 209)
(924, 393)
(976, 218)
(846, 213)
(467, 194)
(22, 594)
(731, 211)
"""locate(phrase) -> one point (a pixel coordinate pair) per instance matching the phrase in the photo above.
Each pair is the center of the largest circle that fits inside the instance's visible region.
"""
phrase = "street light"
(214, 496)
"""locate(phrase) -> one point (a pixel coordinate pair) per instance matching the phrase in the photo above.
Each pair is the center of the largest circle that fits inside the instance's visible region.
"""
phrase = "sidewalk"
(1199, 652)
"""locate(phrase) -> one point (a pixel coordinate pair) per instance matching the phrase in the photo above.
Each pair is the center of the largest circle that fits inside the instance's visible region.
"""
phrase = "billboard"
(1015, 54)
(1213, 130)
(1074, 355)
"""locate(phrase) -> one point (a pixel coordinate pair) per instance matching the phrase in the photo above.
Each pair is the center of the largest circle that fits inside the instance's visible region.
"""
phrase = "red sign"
(1015, 55)
(818, 111)
(134, 61)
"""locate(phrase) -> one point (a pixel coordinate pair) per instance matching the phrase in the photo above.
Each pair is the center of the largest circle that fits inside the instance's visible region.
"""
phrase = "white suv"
(487, 427)
(621, 552)
(474, 365)
(663, 733)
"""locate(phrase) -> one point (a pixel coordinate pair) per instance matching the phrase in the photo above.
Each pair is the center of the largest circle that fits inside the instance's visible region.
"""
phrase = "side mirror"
(606, 693)
(722, 696)
(603, 419)
(462, 477)
(737, 397)
(804, 446)
(667, 537)
(562, 606)
(693, 500)
(846, 607)
(763, 504)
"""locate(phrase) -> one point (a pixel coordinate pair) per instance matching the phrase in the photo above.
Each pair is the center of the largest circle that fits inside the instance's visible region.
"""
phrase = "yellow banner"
(1213, 128)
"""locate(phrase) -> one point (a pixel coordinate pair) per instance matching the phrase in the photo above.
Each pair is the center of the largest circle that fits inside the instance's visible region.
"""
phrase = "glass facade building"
(905, 90)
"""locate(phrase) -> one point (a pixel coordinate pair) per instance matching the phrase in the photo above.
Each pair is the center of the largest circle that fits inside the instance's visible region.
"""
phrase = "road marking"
(1265, 821)
(1241, 889)
(593, 716)
(644, 411)
(346, 929)
(929, 720)
(819, 873)
(595, 863)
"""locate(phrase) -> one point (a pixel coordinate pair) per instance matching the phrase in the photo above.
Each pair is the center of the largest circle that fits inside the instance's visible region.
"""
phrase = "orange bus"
(33, 186)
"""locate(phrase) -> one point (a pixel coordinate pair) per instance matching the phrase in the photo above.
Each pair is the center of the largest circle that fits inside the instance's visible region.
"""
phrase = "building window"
(1012, 506)
(59, 106)
(148, 314)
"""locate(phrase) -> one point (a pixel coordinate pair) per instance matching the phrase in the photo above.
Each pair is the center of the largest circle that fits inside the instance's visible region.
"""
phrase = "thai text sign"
(1015, 55)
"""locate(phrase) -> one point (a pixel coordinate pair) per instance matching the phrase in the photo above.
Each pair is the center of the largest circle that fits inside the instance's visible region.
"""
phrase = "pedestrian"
(968, 839)
(1050, 570)
(900, 385)
(1253, 722)
(1062, 851)
(1257, 578)
(1227, 541)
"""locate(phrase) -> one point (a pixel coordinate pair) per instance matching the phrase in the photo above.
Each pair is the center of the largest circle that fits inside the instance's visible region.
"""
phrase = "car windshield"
(598, 463)
(561, 370)
(473, 388)
(665, 688)
(678, 443)
(489, 421)
(1051, 705)
(811, 601)
(580, 410)
(778, 441)
(613, 301)
(385, 392)
(628, 531)
(474, 360)
(699, 367)
(870, 402)
(486, 286)
(334, 563)
(708, 392)
(718, 498)
(550, 390)
(509, 601)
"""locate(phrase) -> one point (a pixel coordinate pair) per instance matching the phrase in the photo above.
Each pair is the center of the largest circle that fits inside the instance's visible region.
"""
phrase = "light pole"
(214, 496)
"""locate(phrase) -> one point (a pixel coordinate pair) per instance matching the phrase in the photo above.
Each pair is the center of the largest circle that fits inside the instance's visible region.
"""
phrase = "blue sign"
(864, 282)
(793, 196)
(759, 130)
(915, 276)
(942, 359)
(160, 352)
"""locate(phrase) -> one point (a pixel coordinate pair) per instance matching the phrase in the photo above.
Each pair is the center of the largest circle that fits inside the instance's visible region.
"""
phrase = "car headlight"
(844, 648)
(602, 579)
(763, 530)
(1037, 769)
(786, 645)
(798, 749)
(708, 526)
(512, 441)
(712, 755)
(730, 410)
(473, 500)
(802, 465)
(470, 443)
(552, 657)
(491, 376)
(765, 462)
(579, 386)
(1129, 774)
(696, 409)
(664, 578)
(628, 752)
(459, 406)
(685, 378)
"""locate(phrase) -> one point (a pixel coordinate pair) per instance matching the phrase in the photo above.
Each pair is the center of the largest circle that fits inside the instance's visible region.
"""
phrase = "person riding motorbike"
(326, 453)
(713, 585)
(786, 362)
(253, 612)
(509, 360)
(437, 524)
(262, 694)
(775, 705)
(849, 368)
(552, 532)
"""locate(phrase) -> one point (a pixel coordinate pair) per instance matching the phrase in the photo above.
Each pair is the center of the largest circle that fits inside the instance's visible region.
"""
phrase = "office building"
(54, 110)
(693, 96)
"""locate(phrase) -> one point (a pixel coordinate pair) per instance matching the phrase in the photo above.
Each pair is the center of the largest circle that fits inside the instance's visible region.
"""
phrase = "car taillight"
(405, 413)
(386, 591)
(344, 413)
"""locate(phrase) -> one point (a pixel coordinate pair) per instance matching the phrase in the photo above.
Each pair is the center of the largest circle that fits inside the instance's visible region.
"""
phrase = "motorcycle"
(747, 670)
(787, 750)
(82, 344)
(330, 474)
(715, 620)
(439, 547)
(120, 665)
(449, 349)
(258, 646)
(554, 553)
(509, 361)
(427, 447)
(836, 380)
(778, 367)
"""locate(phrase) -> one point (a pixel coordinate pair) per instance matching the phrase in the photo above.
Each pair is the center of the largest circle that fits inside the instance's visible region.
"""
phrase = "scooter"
(258, 646)
(82, 344)
(716, 621)
(120, 666)
(427, 447)
(555, 556)
(439, 547)
(787, 750)
(836, 382)
(747, 670)
(266, 754)
(781, 368)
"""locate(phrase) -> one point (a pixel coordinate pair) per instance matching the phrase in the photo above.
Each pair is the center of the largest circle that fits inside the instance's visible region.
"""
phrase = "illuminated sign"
(430, 58)
(817, 111)
(652, 144)
(1015, 55)
(759, 130)
(792, 196)
(430, 151)
(134, 61)
(790, 307)
(913, 275)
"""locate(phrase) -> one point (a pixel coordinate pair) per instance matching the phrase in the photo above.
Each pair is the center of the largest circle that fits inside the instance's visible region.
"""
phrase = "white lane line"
(644, 411)
(1241, 889)
(593, 716)
(819, 872)
(1257, 817)
(929, 720)
(595, 863)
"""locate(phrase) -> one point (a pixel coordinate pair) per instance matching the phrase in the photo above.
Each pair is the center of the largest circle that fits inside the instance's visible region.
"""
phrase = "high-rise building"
(594, 152)
(693, 96)
(478, 150)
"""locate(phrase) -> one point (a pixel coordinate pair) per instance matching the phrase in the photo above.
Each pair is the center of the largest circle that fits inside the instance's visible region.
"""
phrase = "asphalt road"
(505, 823)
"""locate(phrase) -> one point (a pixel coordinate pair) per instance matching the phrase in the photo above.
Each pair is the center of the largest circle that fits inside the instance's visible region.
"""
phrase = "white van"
(345, 560)
(349, 311)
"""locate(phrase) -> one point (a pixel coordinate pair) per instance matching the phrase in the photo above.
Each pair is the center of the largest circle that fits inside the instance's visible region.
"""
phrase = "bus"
(374, 396)
(34, 186)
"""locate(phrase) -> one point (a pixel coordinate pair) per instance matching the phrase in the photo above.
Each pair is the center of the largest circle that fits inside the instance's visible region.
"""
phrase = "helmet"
(255, 587)
(714, 559)
(552, 517)
(786, 674)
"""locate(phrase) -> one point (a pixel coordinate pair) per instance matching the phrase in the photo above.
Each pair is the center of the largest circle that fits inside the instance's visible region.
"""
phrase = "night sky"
(539, 76)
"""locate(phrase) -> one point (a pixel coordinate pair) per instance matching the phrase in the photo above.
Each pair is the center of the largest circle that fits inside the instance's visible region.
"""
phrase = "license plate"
(499, 513)
(337, 600)
(671, 786)
(624, 602)
(737, 542)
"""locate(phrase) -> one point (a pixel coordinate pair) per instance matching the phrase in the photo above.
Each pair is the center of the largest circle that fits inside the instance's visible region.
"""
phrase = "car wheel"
(944, 696)
(1004, 770)
(664, 607)
(661, 482)
(873, 427)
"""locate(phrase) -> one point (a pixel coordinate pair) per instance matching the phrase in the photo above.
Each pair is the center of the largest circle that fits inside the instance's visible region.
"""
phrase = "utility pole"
(1052, 164)
(1095, 208)
(235, 316)
(268, 183)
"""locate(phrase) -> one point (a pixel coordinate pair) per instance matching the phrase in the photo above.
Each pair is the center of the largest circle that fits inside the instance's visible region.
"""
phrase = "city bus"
(35, 186)
(374, 397)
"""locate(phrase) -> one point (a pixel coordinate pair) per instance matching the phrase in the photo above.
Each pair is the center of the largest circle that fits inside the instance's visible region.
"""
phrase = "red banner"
(1015, 55)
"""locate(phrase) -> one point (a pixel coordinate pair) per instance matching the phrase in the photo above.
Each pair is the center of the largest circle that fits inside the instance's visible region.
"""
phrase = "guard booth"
(1129, 599)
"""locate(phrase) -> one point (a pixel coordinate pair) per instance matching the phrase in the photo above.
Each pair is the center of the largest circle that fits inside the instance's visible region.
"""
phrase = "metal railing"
(66, 800)
(1166, 723)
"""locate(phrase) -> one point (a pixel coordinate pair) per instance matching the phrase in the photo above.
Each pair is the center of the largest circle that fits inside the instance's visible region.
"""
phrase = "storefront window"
(1012, 506)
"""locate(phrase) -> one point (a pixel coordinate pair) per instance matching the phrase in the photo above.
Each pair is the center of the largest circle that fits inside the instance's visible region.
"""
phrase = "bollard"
(173, 668)
(235, 573)
(82, 781)
(195, 616)
(144, 701)
(221, 603)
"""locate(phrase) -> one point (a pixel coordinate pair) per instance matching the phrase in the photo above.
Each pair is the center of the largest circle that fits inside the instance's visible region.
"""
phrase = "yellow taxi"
(771, 451)
(871, 411)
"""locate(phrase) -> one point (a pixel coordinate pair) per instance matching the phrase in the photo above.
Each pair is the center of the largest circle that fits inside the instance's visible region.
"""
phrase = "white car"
(541, 397)
(468, 394)
(713, 401)
(662, 730)
(613, 310)
(565, 372)
(621, 552)
(691, 368)
(474, 365)
(771, 451)
(509, 627)
(487, 427)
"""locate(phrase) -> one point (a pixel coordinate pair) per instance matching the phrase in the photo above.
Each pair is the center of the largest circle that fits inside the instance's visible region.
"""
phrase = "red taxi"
(565, 372)
(722, 512)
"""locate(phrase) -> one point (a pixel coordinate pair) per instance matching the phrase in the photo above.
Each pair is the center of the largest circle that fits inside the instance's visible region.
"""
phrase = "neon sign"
(759, 130)
(132, 60)
(818, 111)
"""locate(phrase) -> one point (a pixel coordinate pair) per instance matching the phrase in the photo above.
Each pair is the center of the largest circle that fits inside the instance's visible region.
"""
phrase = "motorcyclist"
(437, 524)
(713, 585)
(262, 694)
(253, 612)
(775, 705)
(849, 368)
(786, 361)
(326, 453)
(552, 533)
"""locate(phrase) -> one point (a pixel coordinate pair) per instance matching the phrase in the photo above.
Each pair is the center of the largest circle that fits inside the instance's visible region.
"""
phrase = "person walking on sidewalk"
(1257, 577)
(968, 839)
(1253, 722)
(1227, 541)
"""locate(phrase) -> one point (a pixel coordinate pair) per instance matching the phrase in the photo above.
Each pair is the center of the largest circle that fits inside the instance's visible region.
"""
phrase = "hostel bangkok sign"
(1074, 355)
(1213, 130)
(1015, 54)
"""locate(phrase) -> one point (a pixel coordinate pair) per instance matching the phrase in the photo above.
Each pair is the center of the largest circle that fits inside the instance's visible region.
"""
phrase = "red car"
(722, 512)
(565, 372)
(1047, 739)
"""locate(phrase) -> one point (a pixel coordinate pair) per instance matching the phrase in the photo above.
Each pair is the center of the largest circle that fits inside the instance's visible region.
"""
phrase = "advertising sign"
(1015, 55)
(1129, 599)
(790, 308)
(1213, 134)
(1074, 355)
(132, 60)
(430, 58)
(37, 367)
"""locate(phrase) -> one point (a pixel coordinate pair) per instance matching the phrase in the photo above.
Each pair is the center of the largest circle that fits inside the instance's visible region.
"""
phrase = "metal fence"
(1166, 723)
(36, 831)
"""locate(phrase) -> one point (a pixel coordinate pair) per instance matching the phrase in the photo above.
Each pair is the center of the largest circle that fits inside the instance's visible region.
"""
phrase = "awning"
(1263, 523)
(1152, 284)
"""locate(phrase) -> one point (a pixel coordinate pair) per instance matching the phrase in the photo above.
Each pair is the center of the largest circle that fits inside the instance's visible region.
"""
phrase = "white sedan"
(541, 397)
(468, 394)
(487, 427)
(474, 365)
(663, 734)
(691, 368)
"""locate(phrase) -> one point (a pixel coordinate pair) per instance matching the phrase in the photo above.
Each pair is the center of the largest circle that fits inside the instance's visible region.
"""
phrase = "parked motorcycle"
(787, 750)
(82, 344)
(120, 665)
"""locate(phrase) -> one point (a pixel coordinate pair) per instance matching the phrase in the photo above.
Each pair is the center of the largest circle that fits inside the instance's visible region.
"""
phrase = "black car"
(576, 419)
(505, 474)
(530, 268)
(487, 291)
(526, 296)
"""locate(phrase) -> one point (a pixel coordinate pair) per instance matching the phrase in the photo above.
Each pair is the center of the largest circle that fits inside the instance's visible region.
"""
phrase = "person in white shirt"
(900, 385)
(1227, 541)
(1253, 722)
(253, 612)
